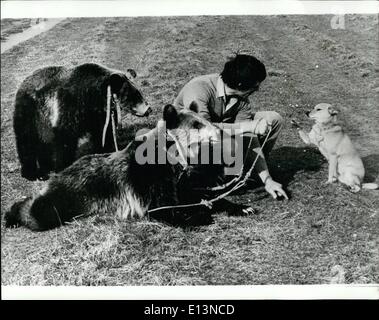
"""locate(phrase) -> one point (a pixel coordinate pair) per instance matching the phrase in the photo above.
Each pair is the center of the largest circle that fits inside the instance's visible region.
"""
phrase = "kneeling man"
(224, 100)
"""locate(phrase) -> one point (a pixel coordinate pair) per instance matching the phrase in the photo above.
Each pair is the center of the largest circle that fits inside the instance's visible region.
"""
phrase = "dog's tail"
(370, 186)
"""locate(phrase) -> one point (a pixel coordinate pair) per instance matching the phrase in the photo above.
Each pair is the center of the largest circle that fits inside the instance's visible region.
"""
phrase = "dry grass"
(324, 234)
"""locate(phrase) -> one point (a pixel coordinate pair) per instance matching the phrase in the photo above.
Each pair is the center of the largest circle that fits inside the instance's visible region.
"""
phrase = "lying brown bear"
(118, 183)
(59, 108)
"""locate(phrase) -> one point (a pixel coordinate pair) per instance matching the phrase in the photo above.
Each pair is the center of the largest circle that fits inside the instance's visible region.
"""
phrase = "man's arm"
(197, 93)
(245, 113)
(257, 127)
(244, 120)
(272, 187)
(250, 129)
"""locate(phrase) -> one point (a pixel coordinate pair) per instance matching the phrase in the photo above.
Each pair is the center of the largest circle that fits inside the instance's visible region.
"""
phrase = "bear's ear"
(131, 74)
(194, 106)
(116, 81)
(170, 116)
(333, 110)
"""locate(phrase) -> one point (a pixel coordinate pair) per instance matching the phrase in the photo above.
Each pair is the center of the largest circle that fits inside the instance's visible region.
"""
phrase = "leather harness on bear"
(111, 113)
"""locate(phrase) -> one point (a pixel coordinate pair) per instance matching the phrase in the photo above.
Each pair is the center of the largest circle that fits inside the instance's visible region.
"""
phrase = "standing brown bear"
(61, 111)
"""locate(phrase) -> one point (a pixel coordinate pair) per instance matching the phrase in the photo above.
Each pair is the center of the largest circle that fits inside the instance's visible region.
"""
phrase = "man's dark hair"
(243, 72)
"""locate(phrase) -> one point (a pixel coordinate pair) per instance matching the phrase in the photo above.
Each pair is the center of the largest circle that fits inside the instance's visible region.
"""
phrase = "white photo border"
(134, 8)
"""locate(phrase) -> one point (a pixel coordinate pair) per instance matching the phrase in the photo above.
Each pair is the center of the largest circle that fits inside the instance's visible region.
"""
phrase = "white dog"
(345, 164)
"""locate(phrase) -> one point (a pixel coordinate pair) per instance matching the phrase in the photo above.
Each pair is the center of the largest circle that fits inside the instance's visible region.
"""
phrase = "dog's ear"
(333, 110)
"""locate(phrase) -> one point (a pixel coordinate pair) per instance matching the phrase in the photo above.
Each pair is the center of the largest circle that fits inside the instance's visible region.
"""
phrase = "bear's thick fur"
(115, 182)
(59, 108)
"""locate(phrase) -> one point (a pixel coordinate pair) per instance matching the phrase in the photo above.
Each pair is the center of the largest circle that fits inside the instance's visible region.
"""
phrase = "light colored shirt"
(208, 91)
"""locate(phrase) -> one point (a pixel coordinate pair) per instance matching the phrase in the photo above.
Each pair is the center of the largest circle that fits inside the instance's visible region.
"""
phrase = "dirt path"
(28, 33)
(296, 242)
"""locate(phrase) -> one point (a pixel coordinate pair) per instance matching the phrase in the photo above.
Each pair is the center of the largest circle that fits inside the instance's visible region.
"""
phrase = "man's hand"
(261, 126)
(275, 189)
(256, 127)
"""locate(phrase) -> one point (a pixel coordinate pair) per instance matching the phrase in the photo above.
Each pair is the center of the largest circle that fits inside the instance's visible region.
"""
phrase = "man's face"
(247, 93)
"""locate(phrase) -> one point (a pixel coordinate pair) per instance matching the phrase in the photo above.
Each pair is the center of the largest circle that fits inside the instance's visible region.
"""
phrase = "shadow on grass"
(371, 166)
(184, 218)
(286, 161)
(283, 164)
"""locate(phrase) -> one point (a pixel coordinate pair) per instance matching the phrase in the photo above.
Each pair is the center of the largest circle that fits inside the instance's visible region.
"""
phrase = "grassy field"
(324, 234)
